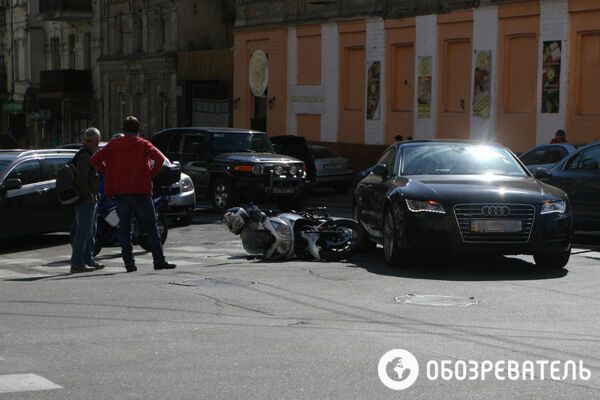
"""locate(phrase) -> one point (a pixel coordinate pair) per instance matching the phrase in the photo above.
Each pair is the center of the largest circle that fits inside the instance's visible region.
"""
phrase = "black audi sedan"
(465, 196)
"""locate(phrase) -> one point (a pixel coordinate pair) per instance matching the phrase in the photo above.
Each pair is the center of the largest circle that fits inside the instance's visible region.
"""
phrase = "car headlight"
(187, 185)
(550, 207)
(293, 170)
(431, 206)
(278, 169)
(258, 169)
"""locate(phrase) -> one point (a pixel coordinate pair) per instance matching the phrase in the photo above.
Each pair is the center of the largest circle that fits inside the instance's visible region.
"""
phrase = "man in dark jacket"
(82, 258)
(126, 165)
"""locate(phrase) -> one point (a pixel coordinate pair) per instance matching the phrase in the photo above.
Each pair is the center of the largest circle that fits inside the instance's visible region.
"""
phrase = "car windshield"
(241, 142)
(458, 159)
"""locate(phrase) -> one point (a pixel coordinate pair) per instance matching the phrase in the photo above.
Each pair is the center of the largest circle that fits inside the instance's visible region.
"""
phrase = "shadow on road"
(446, 268)
(29, 243)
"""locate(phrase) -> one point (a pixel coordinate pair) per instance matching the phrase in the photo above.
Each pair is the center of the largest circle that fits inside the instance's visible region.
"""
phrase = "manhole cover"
(436, 300)
(212, 282)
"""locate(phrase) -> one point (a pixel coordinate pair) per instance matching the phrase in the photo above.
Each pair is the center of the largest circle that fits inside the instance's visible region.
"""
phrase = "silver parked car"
(332, 169)
(547, 155)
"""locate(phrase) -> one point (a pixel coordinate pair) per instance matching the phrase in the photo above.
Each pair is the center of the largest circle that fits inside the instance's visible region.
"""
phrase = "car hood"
(255, 158)
(480, 189)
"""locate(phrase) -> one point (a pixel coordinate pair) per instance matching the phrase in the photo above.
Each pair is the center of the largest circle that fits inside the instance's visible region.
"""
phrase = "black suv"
(230, 165)
(28, 200)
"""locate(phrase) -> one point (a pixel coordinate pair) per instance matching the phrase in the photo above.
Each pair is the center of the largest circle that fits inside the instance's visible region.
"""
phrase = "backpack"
(66, 184)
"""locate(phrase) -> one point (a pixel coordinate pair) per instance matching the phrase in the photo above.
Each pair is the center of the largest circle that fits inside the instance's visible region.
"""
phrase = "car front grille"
(465, 213)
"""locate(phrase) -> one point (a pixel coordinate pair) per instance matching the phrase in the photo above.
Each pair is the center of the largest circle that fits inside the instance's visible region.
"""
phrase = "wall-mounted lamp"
(271, 102)
(236, 103)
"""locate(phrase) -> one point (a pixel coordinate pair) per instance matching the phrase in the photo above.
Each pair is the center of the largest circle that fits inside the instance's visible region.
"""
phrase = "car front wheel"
(552, 261)
(393, 235)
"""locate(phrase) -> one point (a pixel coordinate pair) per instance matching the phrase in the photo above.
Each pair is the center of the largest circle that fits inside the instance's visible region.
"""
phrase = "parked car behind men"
(28, 199)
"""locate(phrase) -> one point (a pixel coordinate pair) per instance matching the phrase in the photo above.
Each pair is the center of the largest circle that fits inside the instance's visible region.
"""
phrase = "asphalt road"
(283, 330)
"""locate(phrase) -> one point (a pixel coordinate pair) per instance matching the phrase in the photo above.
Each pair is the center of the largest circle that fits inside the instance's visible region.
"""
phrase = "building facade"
(357, 73)
(167, 62)
(48, 50)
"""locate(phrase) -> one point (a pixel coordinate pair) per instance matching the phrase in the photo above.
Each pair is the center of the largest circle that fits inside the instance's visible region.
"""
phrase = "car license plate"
(496, 226)
(283, 190)
(331, 167)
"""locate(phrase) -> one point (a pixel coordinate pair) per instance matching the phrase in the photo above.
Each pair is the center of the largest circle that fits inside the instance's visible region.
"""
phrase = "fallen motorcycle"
(310, 234)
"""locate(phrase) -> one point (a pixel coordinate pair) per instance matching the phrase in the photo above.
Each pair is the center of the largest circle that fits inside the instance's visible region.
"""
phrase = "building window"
(139, 40)
(163, 104)
(55, 60)
(162, 29)
(16, 52)
(119, 34)
(87, 51)
(72, 53)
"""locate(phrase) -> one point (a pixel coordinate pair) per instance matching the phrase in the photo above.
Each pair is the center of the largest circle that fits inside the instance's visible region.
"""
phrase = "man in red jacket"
(126, 163)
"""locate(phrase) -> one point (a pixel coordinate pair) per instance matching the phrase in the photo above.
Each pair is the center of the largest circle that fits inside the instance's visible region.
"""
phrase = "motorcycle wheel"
(343, 244)
(163, 231)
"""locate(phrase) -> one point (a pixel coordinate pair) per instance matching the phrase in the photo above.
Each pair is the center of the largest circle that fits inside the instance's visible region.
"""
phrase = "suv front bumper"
(269, 186)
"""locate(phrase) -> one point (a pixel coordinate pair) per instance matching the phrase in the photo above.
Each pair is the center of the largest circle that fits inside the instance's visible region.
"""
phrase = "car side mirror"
(10, 184)
(380, 170)
(542, 173)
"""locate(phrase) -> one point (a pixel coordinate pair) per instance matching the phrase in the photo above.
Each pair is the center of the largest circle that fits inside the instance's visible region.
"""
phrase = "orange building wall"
(400, 70)
(309, 54)
(309, 126)
(352, 81)
(455, 44)
(517, 75)
(583, 112)
(274, 43)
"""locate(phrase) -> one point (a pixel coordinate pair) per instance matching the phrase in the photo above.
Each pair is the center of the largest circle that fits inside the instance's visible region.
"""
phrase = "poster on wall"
(424, 90)
(551, 77)
(482, 83)
(373, 90)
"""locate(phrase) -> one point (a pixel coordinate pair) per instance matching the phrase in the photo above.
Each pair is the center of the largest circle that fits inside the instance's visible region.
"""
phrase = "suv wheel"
(223, 194)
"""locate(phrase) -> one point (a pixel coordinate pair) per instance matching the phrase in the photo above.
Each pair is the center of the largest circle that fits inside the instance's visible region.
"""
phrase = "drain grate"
(213, 282)
(436, 300)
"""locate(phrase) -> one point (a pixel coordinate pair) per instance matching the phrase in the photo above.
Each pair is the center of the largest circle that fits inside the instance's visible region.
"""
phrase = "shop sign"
(258, 74)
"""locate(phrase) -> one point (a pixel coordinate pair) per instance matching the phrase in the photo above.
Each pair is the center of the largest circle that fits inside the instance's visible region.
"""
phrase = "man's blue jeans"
(85, 231)
(143, 208)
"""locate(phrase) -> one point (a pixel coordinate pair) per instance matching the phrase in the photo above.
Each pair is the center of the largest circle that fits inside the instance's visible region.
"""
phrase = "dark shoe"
(131, 268)
(164, 265)
(96, 265)
(75, 269)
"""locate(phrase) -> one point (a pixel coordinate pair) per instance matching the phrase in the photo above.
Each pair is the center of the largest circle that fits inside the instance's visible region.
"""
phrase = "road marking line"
(25, 383)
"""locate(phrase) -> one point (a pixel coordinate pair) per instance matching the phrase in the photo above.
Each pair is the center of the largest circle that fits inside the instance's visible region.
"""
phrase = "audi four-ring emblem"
(495, 211)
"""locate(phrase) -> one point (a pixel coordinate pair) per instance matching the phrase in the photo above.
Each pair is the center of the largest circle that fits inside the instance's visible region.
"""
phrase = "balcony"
(66, 10)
